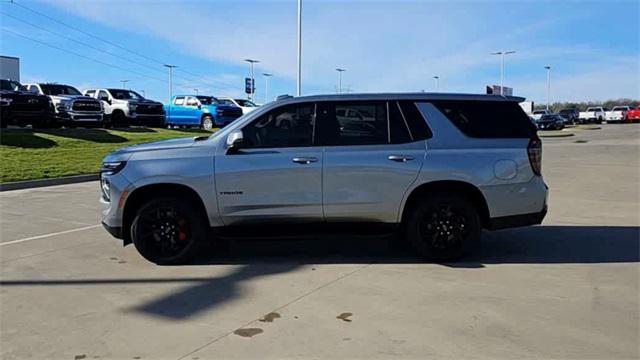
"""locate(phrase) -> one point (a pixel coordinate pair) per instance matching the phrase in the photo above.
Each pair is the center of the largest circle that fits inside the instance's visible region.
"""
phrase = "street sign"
(249, 85)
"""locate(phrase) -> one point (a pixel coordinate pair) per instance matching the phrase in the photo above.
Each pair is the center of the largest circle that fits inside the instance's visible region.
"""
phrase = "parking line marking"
(49, 235)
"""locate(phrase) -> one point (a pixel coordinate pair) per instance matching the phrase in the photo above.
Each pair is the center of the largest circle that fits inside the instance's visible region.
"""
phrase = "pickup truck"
(20, 107)
(205, 112)
(537, 114)
(126, 107)
(618, 113)
(633, 115)
(593, 114)
(70, 106)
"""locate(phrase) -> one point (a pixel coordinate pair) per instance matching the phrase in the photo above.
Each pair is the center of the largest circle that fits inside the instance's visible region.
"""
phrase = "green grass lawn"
(27, 154)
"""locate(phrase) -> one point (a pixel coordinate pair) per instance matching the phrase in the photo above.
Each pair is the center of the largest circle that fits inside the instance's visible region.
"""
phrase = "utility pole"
(170, 67)
(502, 54)
(299, 78)
(266, 86)
(124, 83)
(548, 84)
(437, 79)
(253, 88)
(340, 71)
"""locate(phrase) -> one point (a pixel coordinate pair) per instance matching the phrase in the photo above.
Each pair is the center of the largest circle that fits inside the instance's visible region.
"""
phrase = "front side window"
(245, 103)
(191, 101)
(287, 126)
(353, 123)
(102, 95)
(179, 100)
(91, 93)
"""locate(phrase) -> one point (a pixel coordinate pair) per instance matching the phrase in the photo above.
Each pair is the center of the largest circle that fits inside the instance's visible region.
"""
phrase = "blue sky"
(592, 47)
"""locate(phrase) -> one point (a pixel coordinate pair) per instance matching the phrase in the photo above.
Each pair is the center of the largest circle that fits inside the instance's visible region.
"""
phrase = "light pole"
(548, 84)
(253, 88)
(124, 83)
(502, 54)
(299, 78)
(340, 71)
(196, 91)
(266, 86)
(437, 79)
(144, 93)
(170, 67)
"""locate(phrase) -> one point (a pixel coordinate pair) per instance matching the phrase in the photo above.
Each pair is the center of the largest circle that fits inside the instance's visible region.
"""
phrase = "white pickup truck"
(593, 114)
(537, 114)
(618, 113)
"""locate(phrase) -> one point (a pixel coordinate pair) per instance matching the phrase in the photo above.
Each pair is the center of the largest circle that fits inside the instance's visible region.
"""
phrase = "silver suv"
(437, 168)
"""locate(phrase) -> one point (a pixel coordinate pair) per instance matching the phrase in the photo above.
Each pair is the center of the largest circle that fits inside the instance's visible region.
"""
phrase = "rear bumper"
(506, 222)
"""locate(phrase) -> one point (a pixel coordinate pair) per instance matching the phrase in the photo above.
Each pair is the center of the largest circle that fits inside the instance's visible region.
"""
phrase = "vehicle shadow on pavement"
(547, 244)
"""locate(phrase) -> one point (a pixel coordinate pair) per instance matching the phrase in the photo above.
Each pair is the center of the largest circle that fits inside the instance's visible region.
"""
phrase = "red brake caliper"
(182, 235)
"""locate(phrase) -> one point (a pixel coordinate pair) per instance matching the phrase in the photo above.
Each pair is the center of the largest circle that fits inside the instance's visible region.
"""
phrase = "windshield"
(245, 103)
(225, 102)
(51, 89)
(125, 94)
(10, 85)
(593, 109)
(207, 100)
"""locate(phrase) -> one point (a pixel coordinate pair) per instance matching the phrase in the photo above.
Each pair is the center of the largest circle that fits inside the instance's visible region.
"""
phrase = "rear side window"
(353, 123)
(487, 119)
(417, 125)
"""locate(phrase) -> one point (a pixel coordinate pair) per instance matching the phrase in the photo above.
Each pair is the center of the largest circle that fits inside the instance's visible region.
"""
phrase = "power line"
(80, 55)
(108, 42)
(78, 41)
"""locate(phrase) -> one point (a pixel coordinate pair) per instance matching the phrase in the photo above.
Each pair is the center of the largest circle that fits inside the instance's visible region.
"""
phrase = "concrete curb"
(17, 185)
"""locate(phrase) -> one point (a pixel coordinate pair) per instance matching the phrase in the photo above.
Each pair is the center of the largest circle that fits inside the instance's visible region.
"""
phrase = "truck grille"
(86, 105)
(155, 109)
(29, 104)
(232, 112)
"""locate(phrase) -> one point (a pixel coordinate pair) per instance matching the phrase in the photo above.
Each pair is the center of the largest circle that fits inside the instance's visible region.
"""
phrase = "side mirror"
(235, 140)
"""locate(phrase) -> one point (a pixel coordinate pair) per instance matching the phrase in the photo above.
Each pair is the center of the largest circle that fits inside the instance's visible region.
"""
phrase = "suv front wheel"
(443, 227)
(168, 231)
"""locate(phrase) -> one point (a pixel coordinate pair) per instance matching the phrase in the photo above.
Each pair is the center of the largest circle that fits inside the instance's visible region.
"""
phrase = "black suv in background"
(570, 115)
(22, 108)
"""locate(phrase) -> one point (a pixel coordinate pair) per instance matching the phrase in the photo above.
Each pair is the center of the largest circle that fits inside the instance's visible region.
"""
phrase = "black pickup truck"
(22, 108)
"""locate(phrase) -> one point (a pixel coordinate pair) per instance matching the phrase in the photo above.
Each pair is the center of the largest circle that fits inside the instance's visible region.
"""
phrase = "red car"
(633, 115)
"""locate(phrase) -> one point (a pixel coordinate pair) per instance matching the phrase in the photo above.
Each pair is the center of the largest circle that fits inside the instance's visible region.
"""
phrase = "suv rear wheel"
(443, 227)
(168, 230)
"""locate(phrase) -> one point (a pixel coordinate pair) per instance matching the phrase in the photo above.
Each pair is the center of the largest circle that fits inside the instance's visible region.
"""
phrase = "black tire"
(207, 123)
(118, 119)
(169, 230)
(443, 227)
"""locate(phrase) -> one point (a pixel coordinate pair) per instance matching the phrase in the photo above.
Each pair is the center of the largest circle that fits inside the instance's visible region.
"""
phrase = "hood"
(157, 145)
(70, 97)
(148, 102)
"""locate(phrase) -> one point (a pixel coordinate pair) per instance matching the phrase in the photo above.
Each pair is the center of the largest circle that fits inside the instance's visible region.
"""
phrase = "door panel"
(267, 185)
(363, 183)
(276, 174)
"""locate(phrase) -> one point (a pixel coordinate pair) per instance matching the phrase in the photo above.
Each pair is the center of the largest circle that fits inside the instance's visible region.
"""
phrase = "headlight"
(5, 101)
(112, 167)
(132, 107)
(64, 105)
(219, 111)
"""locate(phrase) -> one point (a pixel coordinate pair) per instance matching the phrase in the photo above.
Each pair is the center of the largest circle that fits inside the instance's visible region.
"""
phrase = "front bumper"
(115, 231)
(224, 120)
(80, 116)
(148, 119)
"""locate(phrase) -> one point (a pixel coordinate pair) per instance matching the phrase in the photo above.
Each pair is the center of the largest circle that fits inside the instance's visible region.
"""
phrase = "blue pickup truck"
(198, 110)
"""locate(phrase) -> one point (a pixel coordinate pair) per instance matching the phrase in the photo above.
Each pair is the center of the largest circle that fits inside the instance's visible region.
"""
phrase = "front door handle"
(400, 158)
(304, 160)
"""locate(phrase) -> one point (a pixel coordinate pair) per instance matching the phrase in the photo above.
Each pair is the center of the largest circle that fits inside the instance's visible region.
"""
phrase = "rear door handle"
(304, 160)
(400, 158)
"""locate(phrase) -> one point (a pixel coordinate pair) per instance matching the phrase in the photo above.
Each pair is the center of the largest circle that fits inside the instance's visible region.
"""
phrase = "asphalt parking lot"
(567, 289)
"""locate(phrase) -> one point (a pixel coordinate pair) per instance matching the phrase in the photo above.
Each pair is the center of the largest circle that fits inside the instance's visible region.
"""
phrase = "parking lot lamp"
(170, 67)
(340, 71)
(437, 79)
(253, 88)
(266, 86)
(124, 83)
(502, 54)
(144, 93)
(299, 78)
(548, 84)
(196, 91)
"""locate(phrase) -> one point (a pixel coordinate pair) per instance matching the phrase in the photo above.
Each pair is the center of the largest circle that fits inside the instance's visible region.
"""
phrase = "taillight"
(534, 150)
